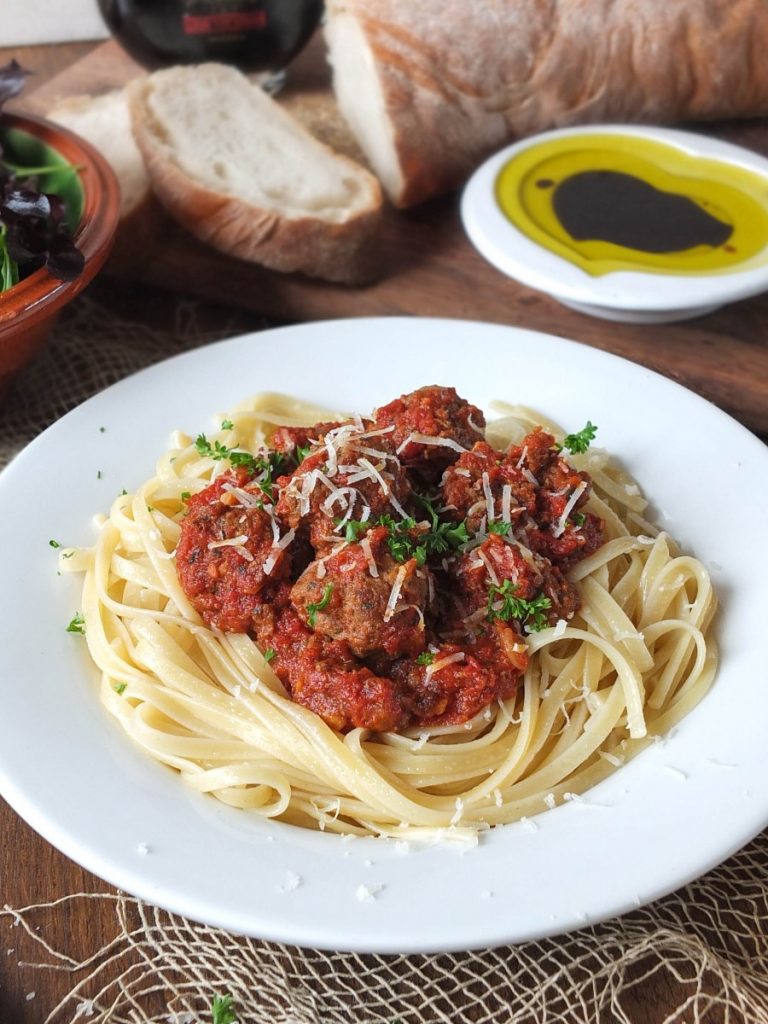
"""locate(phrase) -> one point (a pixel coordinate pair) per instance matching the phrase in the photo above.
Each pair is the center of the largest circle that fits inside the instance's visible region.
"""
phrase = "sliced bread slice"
(241, 174)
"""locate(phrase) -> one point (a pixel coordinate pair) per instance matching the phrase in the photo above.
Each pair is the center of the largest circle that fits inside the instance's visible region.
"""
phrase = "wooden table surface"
(723, 356)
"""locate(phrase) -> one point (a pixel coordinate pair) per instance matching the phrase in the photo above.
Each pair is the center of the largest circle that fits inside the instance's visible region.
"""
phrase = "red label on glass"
(223, 23)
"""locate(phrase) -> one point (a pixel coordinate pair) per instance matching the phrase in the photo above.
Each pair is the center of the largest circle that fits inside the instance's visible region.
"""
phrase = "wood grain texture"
(428, 268)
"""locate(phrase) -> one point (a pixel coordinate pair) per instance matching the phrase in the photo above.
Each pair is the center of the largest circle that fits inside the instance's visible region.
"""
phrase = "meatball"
(287, 439)
(563, 540)
(473, 675)
(226, 554)
(363, 480)
(482, 484)
(433, 412)
(323, 675)
(513, 572)
(341, 598)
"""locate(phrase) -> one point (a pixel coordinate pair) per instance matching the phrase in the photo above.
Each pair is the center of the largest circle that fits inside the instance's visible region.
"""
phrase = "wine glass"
(254, 35)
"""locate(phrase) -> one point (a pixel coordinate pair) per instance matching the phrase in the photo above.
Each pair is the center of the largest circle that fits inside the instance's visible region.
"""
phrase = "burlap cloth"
(700, 955)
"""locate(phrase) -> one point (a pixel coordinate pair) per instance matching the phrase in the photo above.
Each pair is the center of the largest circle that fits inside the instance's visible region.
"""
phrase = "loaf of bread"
(242, 175)
(431, 88)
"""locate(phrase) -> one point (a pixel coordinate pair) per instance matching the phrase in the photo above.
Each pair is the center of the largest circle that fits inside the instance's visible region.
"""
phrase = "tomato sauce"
(393, 571)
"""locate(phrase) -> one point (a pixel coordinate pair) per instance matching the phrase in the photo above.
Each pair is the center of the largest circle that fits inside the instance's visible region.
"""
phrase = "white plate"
(631, 296)
(674, 812)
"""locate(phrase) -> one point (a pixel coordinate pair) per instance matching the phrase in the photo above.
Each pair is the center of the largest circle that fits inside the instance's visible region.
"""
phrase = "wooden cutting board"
(430, 269)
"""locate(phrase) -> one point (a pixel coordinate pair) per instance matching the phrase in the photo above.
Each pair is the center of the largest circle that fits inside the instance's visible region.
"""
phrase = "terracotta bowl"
(29, 309)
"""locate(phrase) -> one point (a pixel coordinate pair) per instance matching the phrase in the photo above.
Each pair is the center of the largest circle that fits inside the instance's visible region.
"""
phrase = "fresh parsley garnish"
(579, 442)
(302, 451)
(102, 430)
(77, 625)
(227, 425)
(120, 689)
(354, 528)
(269, 654)
(401, 544)
(531, 614)
(54, 544)
(222, 1011)
(317, 606)
(219, 451)
(264, 467)
(579, 518)
(185, 496)
(500, 527)
(442, 537)
(425, 658)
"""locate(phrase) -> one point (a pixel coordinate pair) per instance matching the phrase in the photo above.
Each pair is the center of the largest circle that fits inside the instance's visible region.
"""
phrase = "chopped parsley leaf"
(77, 625)
(400, 544)
(354, 528)
(120, 688)
(102, 430)
(185, 495)
(442, 537)
(219, 451)
(302, 451)
(99, 474)
(579, 442)
(67, 554)
(500, 527)
(317, 606)
(227, 425)
(267, 465)
(425, 658)
(531, 614)
(269, 654)
(123, 493)
(579, 518)
(221, 1010)
(54, 544)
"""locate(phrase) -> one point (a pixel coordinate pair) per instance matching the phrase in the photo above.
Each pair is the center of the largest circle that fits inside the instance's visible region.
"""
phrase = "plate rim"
(317, 936)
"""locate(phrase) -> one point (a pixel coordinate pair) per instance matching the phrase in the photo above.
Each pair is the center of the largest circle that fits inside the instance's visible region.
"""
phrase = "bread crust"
(343, 252)
(461, 79)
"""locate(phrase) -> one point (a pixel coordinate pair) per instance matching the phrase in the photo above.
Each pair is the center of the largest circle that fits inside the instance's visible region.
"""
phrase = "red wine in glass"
(254, 35)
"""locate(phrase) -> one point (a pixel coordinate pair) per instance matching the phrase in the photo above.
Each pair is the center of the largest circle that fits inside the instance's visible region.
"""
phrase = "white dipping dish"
(629, 296)
(674, 812)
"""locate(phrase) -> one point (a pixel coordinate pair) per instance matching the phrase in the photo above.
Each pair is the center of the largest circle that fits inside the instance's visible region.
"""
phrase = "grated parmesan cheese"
(443, 663)
(560, 527)
(365, 544)
(394, 593)
(233, 542)
(488, 567)
(283, 543)
(489, 497)
(368, 893)
(430, 439)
